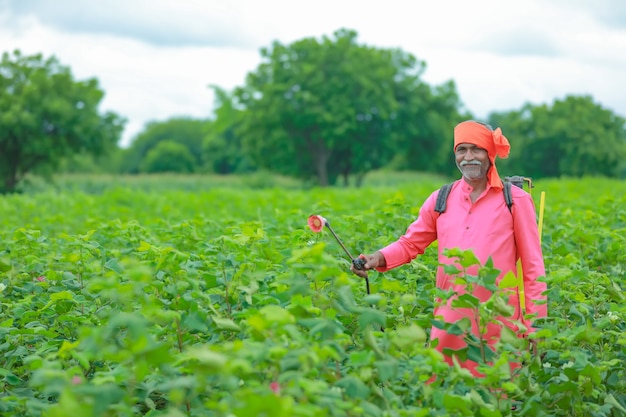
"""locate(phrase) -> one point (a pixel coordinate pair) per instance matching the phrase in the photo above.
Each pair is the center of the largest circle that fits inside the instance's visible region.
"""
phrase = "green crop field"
(180, 298)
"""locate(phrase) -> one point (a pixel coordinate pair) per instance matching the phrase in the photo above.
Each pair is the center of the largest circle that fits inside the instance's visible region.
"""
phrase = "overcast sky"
(156, 58)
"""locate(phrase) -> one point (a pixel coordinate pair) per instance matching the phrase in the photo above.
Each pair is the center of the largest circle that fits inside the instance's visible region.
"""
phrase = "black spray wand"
(317, 223)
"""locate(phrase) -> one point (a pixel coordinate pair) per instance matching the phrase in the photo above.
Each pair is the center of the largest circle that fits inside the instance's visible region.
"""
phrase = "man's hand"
(375, 260)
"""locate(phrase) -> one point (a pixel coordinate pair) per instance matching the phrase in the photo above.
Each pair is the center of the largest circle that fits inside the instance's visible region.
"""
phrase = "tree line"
(322, 110)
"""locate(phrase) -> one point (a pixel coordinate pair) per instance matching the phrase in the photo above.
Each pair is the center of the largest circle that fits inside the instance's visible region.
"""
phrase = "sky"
(155, 59)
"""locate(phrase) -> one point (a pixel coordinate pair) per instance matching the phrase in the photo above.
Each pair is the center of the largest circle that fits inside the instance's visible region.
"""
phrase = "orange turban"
(493, 142)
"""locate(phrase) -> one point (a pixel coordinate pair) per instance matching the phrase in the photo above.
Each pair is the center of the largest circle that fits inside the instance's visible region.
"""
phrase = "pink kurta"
(489, 229)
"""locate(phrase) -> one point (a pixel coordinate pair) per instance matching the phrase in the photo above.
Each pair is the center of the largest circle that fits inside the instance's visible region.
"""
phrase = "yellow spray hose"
(520, 275)
(541, 204)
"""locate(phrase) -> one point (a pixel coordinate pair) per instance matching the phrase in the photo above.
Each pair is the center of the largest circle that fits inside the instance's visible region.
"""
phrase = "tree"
(168, 156)
(327, 108)
(84, 163)
(222, 146)
(365, 103)
(46, 116)
(573, 137)
(425, 123)
(186, 131)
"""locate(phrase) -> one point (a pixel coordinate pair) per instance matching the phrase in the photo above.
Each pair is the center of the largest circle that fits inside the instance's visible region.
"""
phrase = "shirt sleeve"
(421, 233)
(529, 250)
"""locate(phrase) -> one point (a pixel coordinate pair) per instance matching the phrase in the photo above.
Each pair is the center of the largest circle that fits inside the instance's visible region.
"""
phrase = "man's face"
(472, 161)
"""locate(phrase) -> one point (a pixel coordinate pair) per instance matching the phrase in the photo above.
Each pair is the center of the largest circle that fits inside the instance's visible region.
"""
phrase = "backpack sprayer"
(519, 181)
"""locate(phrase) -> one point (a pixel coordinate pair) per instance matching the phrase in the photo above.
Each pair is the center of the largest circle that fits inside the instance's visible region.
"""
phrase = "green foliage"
(574, 137)
(323, 111)
(84, 163)
(186, 132)
(424, 126)
(168, 156)
(239, 309)
(47, 116)
(222, 147)
(98, 184)
(332, 108)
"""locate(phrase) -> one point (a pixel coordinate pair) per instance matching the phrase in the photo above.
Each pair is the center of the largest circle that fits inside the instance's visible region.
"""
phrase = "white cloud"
(141, 82)
(155, 59)
(156, 22)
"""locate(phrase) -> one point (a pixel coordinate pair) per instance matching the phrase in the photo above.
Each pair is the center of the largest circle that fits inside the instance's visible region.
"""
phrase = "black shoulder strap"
(442, 198)
(444, 191)
(508, 197)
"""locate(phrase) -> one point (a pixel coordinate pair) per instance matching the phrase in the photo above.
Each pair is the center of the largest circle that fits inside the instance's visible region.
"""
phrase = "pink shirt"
(489, 229)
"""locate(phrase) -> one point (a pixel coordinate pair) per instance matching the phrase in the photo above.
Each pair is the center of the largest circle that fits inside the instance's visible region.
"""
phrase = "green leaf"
(371, 410)
(361, 358)
(451, 269)
(67, 347)
(5, 265)
(114, 265)
(62, 295)
(346, 299)
(456, 403)
(144, 246)
(460, 353)
(9, 377)
(370, 341)
(196, 323)
(211, 282)
(373, 299)
(407, 336)
(158, 354)
(474, 354)
(204, 356)
(468, 259)
(509, 280)
(387, 369)
(501, 307)
(392, 285)
(353, 387)
(277, 315)
(225, 324)
(460, 327)
(371, 316)
(466, 301)
(610, 400)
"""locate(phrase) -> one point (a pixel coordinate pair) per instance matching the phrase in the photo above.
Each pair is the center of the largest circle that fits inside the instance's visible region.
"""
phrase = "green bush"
(168, 156)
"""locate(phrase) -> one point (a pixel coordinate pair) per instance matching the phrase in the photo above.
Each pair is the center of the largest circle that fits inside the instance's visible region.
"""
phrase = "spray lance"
(317, 223)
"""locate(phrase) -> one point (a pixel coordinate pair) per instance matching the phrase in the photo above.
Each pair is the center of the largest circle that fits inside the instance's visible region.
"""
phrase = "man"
(476, 218)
